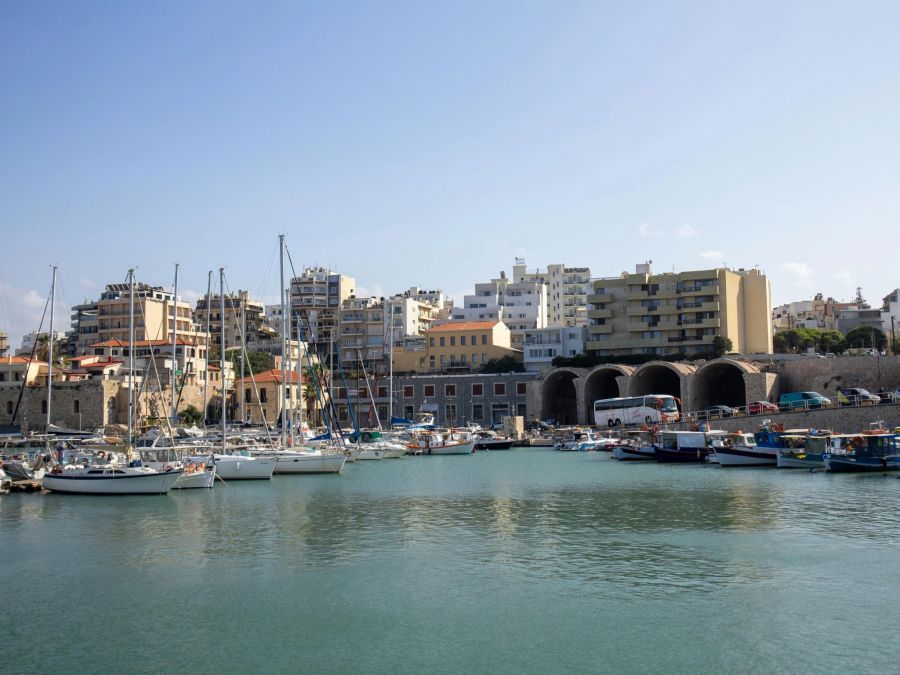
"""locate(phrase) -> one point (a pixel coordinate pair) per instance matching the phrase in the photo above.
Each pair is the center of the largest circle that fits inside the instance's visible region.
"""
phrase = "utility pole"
(893, 338)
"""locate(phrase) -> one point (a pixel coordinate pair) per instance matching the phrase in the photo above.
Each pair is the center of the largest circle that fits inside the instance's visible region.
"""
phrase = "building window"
(474, 340)
(408, 412)
(452, 340)
(474, 359)
(382, 392)
(362, 392)
(342, 413)
(407, 391)
(431, 361)
(499, 388)
(484, 339)
(520, 388)
(76, 406)
(462, 340)
(248, 395)
(431, 342)
(449, 390)
(443, 340)
(520, 409)
(43, 407)
(341, 392)
(428, 390)
(477, 411)
(263, 395)
(9, 408)
(477, 389)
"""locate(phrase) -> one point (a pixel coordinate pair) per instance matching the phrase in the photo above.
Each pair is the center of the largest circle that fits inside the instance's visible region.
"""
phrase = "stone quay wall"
(840, 420)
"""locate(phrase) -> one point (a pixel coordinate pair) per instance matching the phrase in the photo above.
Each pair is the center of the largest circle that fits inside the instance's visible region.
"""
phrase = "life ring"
(777, 427)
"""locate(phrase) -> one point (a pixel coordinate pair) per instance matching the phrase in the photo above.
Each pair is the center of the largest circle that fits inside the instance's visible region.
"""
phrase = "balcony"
(699, 290)
(605, 329)
(632, 294)
(599, 298)
(600, 314)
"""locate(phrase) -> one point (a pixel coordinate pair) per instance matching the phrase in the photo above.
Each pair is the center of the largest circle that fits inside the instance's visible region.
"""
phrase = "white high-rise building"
(567, 291)
(520, 305)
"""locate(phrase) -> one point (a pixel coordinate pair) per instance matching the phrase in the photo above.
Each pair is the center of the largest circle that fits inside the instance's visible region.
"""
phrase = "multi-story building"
(542, 345)
(361, 332)
(567, 291)
(4, 343)
(153, 360)
(890, 314)
(317, 295)
(520, 305)
(261, 397)
(414, 311)
(457, 346)
(155, 315)
(454, 400)
(29, 340)
(674, 314)
(24, 369)
(85, 322)
(819, 313)
(239, 308)
(849, 318)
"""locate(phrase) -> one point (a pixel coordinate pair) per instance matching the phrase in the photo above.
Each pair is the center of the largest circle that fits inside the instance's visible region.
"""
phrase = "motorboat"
(808, 450)
(869, 453)
(489, 440)
(111, 479)
(638, 445)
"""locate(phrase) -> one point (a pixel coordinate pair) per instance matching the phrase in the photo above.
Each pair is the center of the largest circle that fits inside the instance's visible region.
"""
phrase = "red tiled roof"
(21, 360)
(272, 376)
(103, 364)
(464, 325)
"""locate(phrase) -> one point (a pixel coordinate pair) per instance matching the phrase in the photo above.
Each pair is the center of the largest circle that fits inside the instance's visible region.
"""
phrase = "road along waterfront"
(519, 561)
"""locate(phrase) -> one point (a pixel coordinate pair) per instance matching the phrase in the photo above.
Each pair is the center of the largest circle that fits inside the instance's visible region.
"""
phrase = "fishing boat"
(637, 446)
(808, 450)
(741, 449)
(683, 447)
(438, 444)
(488, 440)
(870, 453)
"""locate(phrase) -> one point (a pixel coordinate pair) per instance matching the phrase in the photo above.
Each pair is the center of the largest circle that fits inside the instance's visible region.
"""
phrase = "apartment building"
(155, 315)
(153, 360)
(520, 305)
(890, 314)
(317, 295)
(361, 332)
(4, 343)
(85, 323)
(457, 346)
(240, 309)
(542, 345)
(674, 314)
(567, 291)
(261, 397)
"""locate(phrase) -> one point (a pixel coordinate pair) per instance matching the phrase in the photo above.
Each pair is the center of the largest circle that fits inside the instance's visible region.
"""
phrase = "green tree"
(190, 415)
(866, 336)
(721, 345)
(506, 364)
(831, 341)
(258, 362)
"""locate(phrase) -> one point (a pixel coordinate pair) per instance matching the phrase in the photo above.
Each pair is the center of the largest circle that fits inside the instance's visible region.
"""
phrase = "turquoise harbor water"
(525, 561)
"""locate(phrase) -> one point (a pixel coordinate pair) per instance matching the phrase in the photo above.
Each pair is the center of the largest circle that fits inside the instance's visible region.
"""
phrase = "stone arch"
(721, 382)
(606, 381)
(559, 396)
(661, 377)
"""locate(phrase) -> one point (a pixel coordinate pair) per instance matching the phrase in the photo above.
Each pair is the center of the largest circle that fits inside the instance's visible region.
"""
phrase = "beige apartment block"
(242, 314)
(673, 314)
(457, 346)
(155, 315)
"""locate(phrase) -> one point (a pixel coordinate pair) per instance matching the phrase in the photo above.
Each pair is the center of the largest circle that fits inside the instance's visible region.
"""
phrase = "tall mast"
(391, 371)
(222, 347)
(50, 353)
(243, 353)
(129, 436)
(172, 372)
(284, 336)
(206, 372)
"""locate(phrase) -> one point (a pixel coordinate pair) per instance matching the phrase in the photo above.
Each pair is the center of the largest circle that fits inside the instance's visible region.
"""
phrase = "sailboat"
(110, 479)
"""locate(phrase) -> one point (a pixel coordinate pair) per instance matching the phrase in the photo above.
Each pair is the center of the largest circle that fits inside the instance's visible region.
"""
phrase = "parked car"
(761, 407)
(717, 412)
(801, 400)
(856, 396)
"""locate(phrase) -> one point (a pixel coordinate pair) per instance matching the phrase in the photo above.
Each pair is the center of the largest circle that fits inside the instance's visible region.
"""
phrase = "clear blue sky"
(429, 143)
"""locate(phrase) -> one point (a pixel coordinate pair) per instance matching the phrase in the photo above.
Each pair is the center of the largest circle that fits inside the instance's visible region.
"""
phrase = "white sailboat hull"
(111, 484)
(745, 456)
(309, 462)
(235, 467)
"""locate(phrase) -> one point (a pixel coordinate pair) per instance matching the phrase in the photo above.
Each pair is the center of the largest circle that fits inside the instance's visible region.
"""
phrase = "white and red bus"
(649, 409)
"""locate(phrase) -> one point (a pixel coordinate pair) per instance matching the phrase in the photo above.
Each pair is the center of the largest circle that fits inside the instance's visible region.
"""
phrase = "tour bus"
(650, 409)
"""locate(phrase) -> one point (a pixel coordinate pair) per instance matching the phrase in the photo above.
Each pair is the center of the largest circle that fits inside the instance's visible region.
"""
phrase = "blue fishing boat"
(870, 453)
